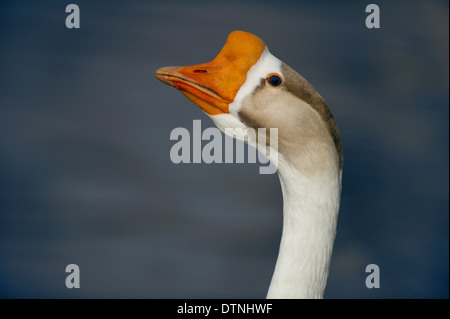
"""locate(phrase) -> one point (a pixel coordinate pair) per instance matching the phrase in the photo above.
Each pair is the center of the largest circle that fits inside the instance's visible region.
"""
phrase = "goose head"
(247, 87)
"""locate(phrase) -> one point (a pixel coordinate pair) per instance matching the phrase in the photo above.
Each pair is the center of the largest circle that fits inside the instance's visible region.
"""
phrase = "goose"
(247, 87)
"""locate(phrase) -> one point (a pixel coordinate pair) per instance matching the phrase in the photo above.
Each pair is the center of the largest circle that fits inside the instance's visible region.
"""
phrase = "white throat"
(310, 212)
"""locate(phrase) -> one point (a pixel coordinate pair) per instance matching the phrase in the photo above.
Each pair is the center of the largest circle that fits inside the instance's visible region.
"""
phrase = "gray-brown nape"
(301, 88)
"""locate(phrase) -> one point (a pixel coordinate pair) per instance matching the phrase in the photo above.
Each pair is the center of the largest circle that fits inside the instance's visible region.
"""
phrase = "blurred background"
(86, 176)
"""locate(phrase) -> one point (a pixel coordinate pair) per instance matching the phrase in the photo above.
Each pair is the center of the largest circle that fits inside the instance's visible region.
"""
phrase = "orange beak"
(214, 85)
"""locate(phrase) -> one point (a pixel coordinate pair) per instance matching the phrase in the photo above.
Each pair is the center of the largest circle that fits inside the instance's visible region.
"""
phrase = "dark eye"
(274, 80)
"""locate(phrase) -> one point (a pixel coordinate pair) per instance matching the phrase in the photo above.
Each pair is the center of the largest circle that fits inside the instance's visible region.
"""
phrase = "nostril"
(200, 71)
